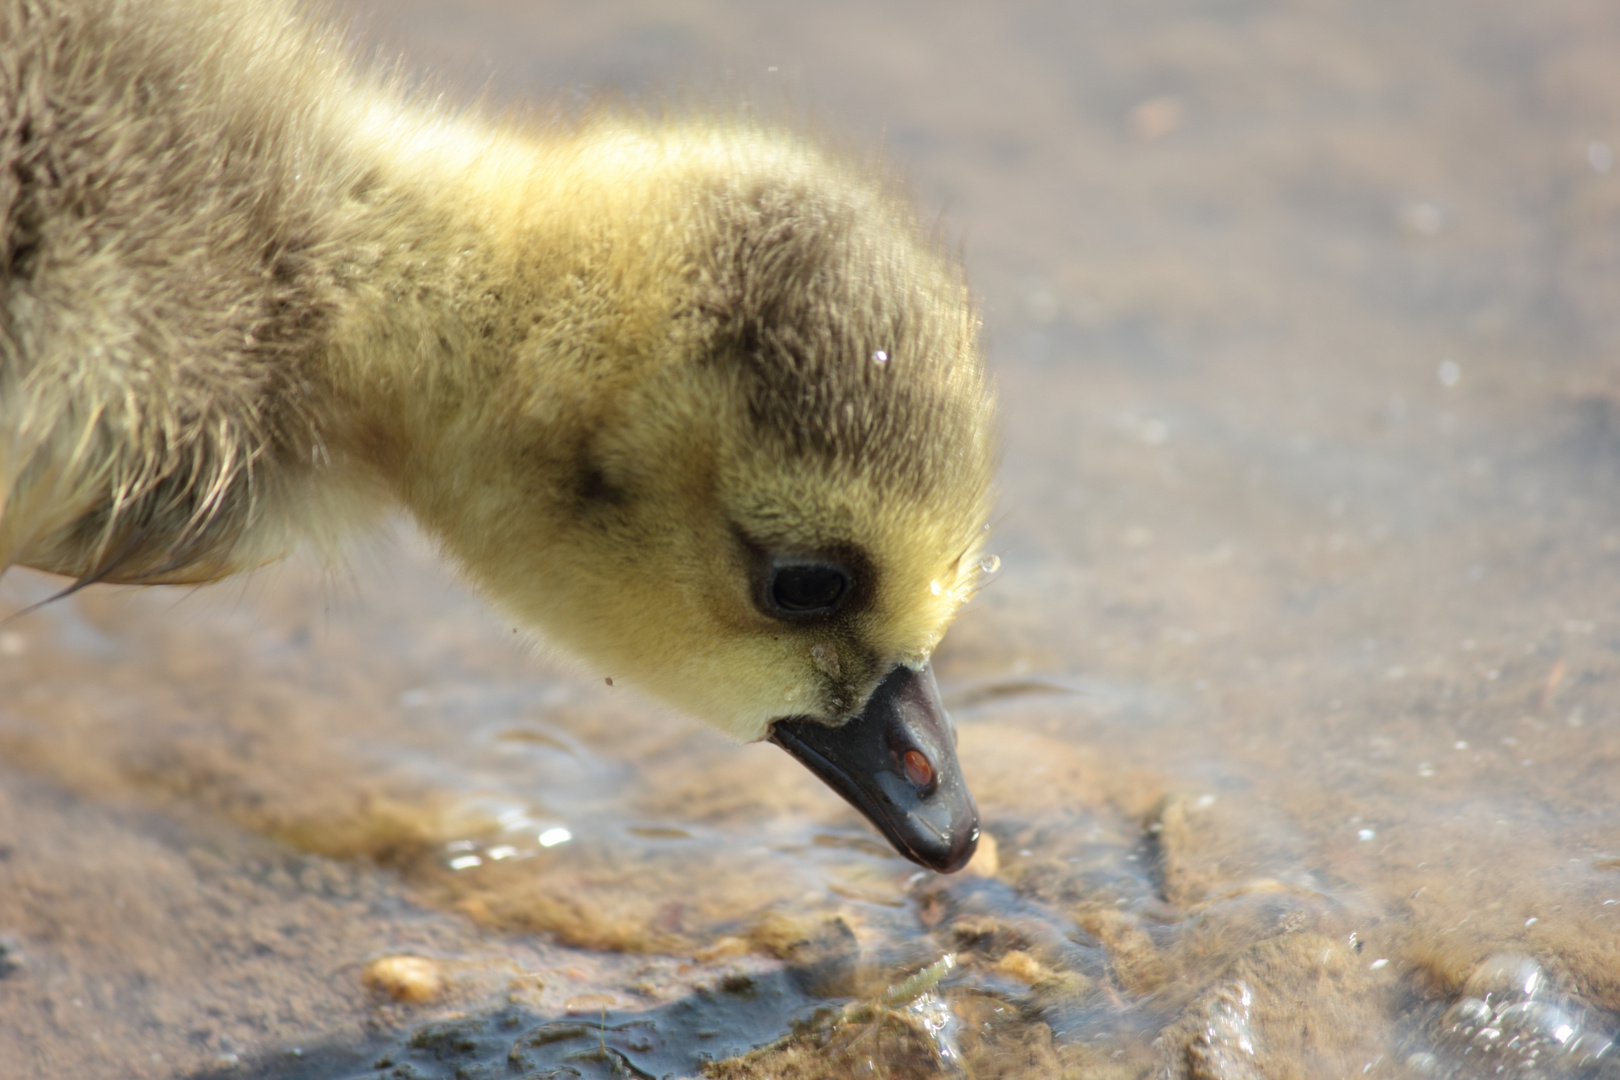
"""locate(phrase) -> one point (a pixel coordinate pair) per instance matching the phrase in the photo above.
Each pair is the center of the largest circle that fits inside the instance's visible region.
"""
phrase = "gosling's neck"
(524, 283)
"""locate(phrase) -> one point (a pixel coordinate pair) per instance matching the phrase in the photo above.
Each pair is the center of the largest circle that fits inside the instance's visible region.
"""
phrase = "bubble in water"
(880, 357)
(1467, 1014)
(553, 837)
(990, 564)
(1504, 975)
(935, 1020)
(1424, 1064)
(1507, 1016)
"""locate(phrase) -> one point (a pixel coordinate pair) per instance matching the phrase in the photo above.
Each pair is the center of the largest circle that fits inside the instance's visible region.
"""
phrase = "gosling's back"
(183, 202)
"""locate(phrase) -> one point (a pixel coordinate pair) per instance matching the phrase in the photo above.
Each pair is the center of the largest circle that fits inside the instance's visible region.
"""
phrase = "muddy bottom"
(1294, 713)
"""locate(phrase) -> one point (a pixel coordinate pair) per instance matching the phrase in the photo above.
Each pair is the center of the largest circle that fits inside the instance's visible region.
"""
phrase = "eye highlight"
(801, 588)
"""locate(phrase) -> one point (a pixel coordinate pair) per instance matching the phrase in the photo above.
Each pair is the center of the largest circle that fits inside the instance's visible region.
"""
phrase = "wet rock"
(1135, 959)
(1020, 965)
(885, 1046)
(1299, 1006)
(1051, 984)
(1210, 846)
(414, 980)
(823, 955)
(450, 1039)
(907, 1031)
(1223, 1048)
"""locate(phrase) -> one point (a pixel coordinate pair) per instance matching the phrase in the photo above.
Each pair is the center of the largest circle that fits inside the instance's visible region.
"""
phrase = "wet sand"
(1293, 712)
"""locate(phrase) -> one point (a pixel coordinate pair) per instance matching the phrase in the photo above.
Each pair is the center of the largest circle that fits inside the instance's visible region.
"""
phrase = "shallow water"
(1292, 713)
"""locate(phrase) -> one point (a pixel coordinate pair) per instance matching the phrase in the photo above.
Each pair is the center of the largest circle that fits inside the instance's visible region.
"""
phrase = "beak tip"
(958, 855)
(896, 763)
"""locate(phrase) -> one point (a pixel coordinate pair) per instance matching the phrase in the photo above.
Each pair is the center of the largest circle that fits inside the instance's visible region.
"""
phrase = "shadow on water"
(674, 1040)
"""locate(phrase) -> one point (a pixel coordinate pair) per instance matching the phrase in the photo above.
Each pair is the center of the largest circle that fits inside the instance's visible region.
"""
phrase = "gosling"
(696, 403)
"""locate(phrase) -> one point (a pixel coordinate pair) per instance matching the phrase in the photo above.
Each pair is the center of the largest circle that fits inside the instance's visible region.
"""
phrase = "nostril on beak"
(919, 770)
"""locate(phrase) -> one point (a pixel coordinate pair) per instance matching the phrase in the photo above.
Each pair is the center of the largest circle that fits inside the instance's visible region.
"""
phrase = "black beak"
(896, 763)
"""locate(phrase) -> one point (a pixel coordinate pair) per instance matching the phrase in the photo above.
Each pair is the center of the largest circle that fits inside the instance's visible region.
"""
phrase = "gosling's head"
(776, 450)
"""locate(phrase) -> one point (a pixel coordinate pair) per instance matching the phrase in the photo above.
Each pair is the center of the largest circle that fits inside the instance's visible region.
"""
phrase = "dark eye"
(807, 588)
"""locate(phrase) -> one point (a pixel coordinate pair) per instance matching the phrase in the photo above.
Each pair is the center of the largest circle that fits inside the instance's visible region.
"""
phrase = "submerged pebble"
(986, 861)
(415, 980)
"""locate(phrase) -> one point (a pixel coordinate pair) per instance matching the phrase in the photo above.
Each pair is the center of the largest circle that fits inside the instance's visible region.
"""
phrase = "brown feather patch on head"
(854, 337)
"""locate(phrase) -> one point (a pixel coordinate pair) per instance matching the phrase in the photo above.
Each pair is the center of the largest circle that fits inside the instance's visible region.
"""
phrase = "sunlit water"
(1291, 710)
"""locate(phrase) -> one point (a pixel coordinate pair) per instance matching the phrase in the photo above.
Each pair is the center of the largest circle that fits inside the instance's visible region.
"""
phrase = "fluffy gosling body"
(632, 376)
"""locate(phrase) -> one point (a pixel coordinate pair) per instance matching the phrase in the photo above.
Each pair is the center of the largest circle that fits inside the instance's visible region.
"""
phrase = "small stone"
(725, 948)
(986, 860)
(415, 980)
(1020, 965)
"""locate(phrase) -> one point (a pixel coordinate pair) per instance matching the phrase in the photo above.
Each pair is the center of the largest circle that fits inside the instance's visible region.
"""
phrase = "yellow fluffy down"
(252, 295)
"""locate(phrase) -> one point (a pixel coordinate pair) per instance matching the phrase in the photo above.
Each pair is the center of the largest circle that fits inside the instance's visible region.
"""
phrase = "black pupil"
(808, 588)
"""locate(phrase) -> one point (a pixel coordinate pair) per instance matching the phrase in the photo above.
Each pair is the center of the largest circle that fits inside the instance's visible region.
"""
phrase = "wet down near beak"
(896, 763)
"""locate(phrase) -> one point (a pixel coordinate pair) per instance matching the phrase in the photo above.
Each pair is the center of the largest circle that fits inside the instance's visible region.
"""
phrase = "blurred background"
(1292, 713)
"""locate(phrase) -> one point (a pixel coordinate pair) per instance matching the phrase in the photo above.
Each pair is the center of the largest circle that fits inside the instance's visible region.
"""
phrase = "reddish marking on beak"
(918, 770)
(896, 763)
